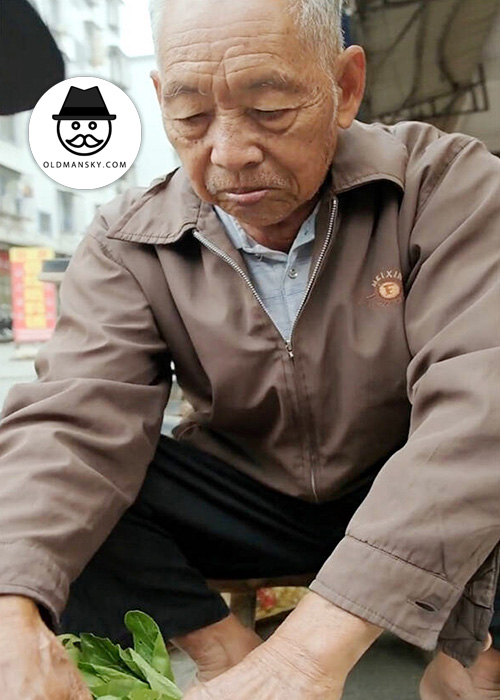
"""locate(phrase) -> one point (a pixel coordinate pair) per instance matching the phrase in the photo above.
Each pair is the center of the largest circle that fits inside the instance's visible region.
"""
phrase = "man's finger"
(78, 690)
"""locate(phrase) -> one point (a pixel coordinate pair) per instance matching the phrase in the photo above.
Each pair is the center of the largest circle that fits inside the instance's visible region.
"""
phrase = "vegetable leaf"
(107, 674)
(117, 688)
(102, 652)
(71, 644)
(113, 673)
(156, 680)
(147, 695)
(126, 657)
(148, 641)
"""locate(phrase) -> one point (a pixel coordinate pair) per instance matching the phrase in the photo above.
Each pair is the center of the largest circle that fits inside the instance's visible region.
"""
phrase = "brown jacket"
(392, 362)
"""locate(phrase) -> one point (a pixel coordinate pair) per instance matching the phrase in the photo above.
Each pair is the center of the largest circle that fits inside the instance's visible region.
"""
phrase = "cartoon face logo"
(84, 123)
(84, 137)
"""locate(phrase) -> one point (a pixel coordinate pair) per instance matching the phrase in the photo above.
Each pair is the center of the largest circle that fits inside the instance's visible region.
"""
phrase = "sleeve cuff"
(27, 570)
(387, 591)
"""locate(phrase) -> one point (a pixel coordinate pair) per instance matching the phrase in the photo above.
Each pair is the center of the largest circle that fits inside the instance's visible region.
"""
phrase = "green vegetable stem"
(112, 673)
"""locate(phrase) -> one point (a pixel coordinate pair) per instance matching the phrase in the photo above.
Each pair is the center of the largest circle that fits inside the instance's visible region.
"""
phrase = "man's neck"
(281, 236)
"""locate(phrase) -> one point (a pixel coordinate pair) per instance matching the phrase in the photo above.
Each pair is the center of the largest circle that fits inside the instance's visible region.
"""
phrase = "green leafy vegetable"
(156, 680)
(113, 673)
(101, 651)
(148, 641)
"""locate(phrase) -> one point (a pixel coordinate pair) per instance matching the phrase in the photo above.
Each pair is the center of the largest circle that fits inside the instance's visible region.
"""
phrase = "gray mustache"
(84, 140)
(217, 184)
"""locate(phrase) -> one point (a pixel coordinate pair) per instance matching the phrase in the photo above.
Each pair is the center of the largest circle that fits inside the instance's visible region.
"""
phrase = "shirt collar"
(242, 241)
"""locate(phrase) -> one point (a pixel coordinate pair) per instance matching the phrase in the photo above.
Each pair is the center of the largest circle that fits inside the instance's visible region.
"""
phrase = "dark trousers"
(197, 518)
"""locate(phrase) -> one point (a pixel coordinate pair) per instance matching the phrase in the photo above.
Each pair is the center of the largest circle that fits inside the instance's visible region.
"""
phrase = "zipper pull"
(290, 350)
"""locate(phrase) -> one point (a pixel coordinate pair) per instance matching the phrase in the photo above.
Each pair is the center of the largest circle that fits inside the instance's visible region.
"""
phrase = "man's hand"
(446, 679)
(307, 658)
(33, 665)
(267, 675)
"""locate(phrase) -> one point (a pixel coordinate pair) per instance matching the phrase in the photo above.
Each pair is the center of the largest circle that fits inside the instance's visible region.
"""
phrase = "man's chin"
(261, 212)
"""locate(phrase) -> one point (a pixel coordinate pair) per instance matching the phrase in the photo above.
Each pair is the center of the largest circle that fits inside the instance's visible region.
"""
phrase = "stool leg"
(244, 605)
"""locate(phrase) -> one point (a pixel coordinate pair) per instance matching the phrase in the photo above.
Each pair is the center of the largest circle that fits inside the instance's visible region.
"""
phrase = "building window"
(94, 42)
(113, 14)
(117, 66)
(66, 206)
(54, 17)
(8, 130)
(80, 53)
(45, 223)
(12, 192)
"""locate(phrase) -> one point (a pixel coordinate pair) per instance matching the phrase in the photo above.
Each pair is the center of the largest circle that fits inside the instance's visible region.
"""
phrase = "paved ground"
(390, 670)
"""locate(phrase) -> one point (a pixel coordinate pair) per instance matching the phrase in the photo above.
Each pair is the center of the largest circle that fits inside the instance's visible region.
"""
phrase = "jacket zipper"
(288, 343)
(227, 258)
(235, 266)
(312, 279)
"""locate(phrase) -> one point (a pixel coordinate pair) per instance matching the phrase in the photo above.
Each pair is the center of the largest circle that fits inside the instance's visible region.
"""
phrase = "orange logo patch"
(387, 288)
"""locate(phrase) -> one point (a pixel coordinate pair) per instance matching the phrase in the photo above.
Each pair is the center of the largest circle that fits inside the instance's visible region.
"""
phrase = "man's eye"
(270, 114)
(193, 118)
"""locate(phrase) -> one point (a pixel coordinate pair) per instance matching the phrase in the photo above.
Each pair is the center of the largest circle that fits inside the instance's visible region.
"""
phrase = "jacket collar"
(365, 153)
(169, 208)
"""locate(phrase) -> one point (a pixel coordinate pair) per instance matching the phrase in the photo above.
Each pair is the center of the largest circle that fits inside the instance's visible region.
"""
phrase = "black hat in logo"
(84, 104)
(84, 123)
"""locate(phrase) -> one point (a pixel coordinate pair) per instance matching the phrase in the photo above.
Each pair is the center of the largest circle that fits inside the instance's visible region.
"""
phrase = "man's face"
(249, 111)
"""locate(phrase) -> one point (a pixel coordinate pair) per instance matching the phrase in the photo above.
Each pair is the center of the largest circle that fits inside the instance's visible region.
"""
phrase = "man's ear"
(155, 77)
(350, 73)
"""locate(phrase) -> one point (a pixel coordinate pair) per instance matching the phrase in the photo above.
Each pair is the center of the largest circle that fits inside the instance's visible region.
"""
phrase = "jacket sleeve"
(420, 556)
(75, 445)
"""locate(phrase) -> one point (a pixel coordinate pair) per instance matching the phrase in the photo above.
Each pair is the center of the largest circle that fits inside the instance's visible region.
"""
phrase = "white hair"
(319, 23)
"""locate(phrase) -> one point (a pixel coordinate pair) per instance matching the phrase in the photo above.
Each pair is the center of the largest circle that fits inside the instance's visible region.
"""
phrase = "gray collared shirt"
(280, 279)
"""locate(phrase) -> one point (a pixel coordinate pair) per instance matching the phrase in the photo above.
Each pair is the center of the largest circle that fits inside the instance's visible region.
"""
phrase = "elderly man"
(325, 290)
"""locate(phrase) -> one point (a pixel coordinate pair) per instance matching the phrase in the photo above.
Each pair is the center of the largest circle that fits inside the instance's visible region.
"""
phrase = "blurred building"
(35, 210)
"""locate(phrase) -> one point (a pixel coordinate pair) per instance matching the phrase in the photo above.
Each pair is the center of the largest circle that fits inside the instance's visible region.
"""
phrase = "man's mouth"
(87, 140)
(245, 195)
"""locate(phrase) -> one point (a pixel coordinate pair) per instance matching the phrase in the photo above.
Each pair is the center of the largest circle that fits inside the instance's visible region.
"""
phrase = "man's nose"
(233, 146)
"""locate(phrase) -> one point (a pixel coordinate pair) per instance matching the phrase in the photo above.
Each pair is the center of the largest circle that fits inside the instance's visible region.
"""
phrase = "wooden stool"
(243, 593)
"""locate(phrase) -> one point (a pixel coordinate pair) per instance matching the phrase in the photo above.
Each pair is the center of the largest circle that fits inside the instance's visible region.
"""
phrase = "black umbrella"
(30, 62)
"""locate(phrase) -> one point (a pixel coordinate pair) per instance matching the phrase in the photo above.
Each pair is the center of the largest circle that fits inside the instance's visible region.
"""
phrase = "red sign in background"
(34, 303)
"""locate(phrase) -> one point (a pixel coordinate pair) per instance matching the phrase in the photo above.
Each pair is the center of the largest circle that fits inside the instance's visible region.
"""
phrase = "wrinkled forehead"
(257, 42)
